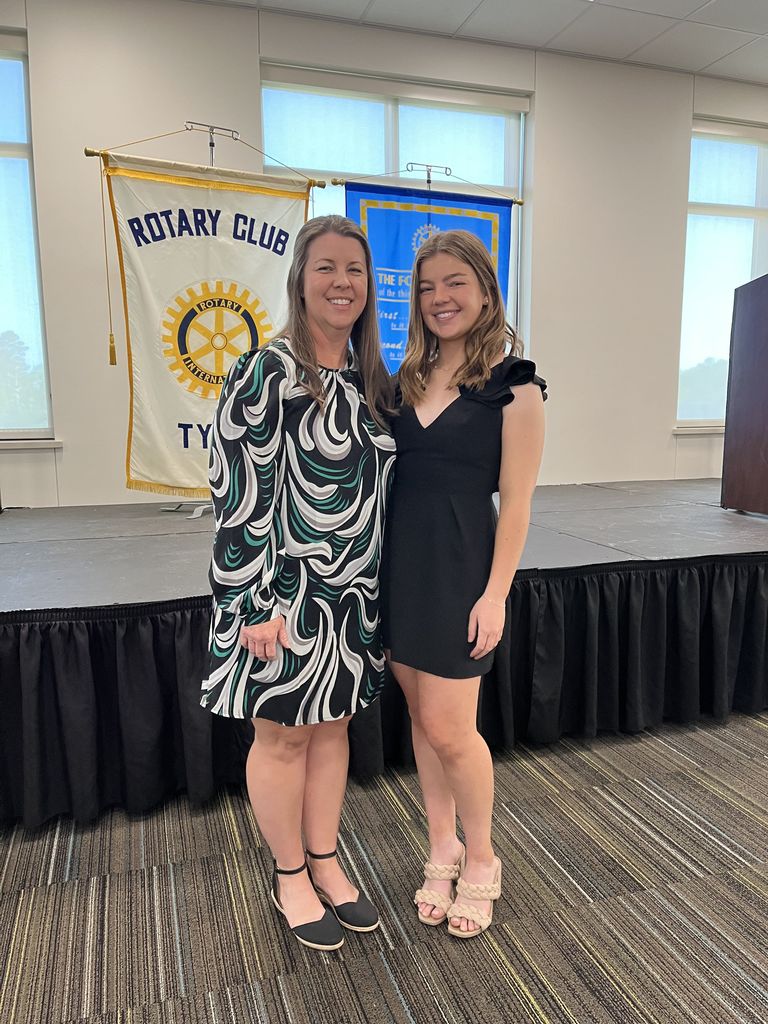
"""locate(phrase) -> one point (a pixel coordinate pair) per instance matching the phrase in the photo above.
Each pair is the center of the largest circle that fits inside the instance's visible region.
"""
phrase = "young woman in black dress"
(471, 423)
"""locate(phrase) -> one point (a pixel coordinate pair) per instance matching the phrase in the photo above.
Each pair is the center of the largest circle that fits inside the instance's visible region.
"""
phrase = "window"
(24, 406)
(726, 246)
(371, 134)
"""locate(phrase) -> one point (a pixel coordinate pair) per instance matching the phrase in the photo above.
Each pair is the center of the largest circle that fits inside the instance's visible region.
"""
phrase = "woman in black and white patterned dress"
(300, 462)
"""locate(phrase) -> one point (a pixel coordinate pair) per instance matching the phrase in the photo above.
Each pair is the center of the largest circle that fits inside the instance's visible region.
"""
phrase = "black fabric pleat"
(100, 706)
(624, 647)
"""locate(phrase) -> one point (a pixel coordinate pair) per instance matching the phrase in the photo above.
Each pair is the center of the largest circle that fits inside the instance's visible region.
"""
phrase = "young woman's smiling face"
(335, 284)
(450, 297)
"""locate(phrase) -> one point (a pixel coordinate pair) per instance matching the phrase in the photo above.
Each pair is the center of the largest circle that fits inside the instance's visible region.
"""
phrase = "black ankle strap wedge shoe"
(358, 915)
(325, 934)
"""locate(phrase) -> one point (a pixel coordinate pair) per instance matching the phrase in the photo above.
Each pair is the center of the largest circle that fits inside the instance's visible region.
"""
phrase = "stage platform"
(84, 556)
(635, 602)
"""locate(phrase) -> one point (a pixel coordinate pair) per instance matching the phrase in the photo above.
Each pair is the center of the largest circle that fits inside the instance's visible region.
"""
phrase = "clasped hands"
(262, 640)
(486, 625)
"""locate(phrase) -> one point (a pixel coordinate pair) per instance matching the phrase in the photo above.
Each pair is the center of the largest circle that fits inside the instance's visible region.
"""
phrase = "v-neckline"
(442, 412)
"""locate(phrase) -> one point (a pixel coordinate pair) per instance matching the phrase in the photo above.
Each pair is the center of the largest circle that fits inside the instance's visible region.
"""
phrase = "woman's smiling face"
(450, 297)
(335, 286)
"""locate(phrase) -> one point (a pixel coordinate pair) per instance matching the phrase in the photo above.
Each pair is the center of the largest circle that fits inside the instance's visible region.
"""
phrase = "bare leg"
(440, 807)
(327, 767)
(275, 774)
(447, 711)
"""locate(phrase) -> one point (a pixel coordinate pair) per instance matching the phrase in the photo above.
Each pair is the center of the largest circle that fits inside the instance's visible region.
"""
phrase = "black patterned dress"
(299, 496)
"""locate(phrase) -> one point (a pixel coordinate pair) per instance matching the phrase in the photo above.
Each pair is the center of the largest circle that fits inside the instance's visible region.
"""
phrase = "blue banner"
(397, 220)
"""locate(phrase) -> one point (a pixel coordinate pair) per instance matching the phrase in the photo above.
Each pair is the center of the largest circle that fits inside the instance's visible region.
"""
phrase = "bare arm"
(522, 443)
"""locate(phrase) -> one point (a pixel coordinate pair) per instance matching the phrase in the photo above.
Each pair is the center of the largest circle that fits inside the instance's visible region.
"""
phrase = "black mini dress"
(441, 523)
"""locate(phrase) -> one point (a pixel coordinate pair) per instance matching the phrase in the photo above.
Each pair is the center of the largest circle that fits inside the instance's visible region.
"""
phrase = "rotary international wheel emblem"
(206, 328)
(421, 234)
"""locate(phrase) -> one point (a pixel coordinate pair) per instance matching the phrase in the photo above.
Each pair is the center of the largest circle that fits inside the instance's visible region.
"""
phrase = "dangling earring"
(435, 352)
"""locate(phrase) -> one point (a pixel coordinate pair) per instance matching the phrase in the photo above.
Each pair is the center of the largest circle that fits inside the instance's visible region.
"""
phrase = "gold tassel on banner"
(112, 349)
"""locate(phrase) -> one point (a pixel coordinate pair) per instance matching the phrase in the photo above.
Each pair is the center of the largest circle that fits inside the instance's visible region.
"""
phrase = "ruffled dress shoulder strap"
(497, 390)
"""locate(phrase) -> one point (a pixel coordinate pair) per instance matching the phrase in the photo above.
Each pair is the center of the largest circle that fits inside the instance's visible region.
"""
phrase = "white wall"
(605, 214)
(610, 187)
(730, 101)
(338, 47)
(12, 15)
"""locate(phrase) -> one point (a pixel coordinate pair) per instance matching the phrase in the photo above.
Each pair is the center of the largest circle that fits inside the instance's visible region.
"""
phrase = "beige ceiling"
(727, 38)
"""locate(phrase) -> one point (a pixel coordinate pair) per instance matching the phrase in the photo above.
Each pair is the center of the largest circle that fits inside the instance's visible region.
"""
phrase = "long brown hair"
(365, 332)
(486, 340)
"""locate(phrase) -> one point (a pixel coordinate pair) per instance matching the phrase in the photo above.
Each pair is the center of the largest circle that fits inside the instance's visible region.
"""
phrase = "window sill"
(29, 444)
(699, 430)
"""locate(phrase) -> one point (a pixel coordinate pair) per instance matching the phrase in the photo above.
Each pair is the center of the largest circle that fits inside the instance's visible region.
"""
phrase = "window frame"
(24, 151)
(512, 106)
(725, 132)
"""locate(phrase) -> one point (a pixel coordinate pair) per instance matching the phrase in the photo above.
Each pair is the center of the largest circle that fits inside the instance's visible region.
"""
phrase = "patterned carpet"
(636, 890)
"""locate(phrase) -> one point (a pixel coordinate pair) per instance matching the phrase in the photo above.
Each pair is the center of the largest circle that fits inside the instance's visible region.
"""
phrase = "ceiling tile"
(522, 22)
(747, 15)
(751, 63)
(441, 16)
(610, 32)
(690, 47)
(350, 9)
(670, 8)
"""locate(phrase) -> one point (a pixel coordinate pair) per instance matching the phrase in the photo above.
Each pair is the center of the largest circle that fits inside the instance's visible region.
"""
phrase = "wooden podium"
(745, 453)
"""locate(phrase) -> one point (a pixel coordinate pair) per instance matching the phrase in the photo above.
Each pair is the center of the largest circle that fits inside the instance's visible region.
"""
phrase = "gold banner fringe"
(153, 488)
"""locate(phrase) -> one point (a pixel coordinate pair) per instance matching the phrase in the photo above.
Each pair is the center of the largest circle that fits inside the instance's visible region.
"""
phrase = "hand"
(262, 640)
(486, 625)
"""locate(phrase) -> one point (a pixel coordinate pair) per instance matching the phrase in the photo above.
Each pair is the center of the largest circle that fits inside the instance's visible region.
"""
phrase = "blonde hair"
(488, 336)
(377, 385)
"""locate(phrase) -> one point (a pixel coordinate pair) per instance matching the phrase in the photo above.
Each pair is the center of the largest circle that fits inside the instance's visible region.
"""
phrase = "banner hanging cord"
(486, 188)
(314, 182)
(112, 350)
(151, 138)
(466, 181)
(367, 177)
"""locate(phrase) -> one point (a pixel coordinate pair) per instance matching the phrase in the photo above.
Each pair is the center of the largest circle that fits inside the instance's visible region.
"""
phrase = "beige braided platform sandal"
(470, 890)
(434, 873)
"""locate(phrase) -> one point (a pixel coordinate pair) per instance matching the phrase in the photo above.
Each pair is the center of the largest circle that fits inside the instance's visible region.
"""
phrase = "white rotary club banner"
(204, 256)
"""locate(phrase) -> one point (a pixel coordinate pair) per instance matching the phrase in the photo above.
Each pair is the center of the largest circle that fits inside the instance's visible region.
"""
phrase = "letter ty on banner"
(204, 256)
